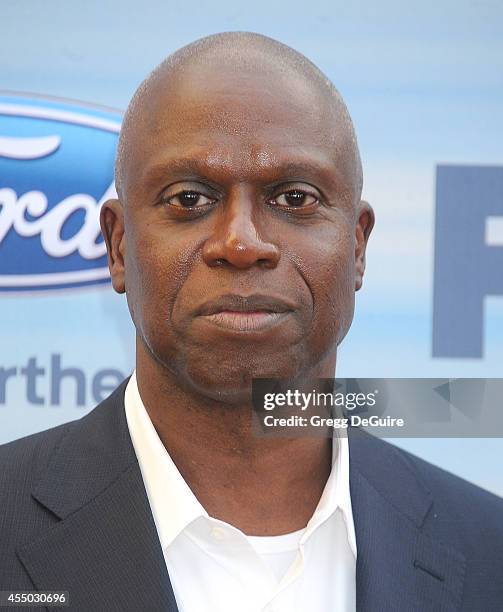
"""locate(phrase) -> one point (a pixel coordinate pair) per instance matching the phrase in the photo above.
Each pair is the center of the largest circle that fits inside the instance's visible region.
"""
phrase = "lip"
(250, 313)
(245, 303)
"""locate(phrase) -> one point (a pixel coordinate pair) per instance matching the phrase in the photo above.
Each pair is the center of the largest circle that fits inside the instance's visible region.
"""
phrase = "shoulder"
(22, 459)
(461, 512)
(452, 489)
(383, 461)
(22, 462)
(463, 500)
(451, 507)
(59, 463)
(66, 453)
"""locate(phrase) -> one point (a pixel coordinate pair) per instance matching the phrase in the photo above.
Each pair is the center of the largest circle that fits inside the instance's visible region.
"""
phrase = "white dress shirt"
(215, 567)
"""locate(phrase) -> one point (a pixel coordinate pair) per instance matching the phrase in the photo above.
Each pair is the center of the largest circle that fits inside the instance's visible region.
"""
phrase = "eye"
(187, 199)
(295, 198)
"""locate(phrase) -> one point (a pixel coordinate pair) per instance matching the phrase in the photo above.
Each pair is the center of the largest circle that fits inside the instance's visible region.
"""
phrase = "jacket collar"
(107, 536)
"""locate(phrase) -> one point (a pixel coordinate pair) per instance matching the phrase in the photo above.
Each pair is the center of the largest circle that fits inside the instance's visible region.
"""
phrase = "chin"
(231, 381)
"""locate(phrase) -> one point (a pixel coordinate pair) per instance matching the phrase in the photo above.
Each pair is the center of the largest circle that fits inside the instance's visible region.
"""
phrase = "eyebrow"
(203, 166)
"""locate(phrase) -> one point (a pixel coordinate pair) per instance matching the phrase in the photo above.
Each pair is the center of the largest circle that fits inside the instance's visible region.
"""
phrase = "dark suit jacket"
(74, 516)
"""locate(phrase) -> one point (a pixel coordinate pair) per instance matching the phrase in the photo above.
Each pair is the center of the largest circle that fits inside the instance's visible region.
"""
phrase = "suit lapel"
(398, 566)
(104, 550)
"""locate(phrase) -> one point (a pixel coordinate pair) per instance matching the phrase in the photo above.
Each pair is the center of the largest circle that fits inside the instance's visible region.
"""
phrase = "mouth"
(256, 312)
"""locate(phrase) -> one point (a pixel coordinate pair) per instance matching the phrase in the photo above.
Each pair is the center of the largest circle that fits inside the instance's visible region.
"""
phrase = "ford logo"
(56, 169)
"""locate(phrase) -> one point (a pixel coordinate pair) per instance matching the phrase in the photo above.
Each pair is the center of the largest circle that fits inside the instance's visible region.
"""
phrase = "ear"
(364, 226)
(112, 227)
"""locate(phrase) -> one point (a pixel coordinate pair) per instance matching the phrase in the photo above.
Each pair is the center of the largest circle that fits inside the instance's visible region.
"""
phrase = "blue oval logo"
(56, 169)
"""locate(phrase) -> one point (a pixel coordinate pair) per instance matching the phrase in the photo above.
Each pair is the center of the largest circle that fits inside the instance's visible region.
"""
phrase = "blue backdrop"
(424, 84)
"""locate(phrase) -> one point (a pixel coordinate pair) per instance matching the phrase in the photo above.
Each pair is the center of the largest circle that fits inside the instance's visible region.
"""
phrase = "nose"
(236, 239)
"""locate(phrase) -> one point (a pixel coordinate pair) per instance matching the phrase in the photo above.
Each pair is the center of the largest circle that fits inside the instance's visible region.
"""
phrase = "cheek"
(331, 278)
(155, 270)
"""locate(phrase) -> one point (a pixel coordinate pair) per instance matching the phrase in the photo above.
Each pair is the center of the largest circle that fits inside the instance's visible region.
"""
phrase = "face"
(238, 239)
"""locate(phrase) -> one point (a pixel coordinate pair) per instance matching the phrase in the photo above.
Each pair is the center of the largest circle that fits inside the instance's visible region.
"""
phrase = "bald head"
(241, 61)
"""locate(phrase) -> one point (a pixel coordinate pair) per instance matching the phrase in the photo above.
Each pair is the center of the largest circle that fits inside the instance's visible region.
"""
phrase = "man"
(239, 239)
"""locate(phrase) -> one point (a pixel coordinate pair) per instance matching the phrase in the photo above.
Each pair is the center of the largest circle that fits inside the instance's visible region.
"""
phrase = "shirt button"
(218, 533)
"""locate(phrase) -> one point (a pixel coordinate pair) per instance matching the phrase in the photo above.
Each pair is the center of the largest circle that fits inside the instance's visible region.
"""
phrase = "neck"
(261, 485)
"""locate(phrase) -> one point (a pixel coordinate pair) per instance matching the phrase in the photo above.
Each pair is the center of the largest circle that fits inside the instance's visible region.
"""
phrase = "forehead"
(248, 162)
(234, 123)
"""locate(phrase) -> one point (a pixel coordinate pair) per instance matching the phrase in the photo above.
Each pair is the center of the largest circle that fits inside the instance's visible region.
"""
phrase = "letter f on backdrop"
(468, 264)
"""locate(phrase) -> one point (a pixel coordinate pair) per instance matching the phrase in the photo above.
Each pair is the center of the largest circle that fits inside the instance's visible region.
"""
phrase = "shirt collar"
(336, 494)
(174, 505)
